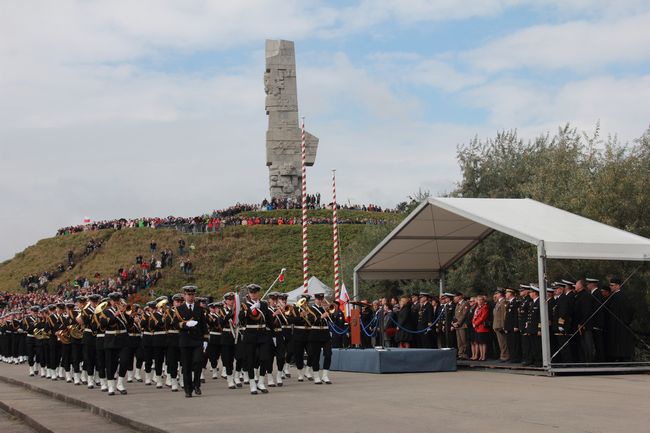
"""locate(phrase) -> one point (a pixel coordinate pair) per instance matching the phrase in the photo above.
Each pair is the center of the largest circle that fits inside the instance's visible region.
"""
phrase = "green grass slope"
(238, 255)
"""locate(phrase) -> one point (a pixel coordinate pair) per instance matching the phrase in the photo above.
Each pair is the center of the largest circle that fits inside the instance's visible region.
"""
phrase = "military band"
(106, 342)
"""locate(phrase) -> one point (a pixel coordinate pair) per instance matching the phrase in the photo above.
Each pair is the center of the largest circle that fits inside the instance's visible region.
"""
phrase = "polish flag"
(86, 220)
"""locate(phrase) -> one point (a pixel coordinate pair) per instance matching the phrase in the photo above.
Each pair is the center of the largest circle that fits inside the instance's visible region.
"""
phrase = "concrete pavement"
(464, 401)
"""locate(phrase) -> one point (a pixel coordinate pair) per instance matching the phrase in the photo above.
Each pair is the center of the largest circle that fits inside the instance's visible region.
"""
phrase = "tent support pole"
(442, 283)
(543, 305)
(355, 286)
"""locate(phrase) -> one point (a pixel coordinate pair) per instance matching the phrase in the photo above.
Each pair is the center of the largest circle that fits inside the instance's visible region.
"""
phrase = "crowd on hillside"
(229, 217)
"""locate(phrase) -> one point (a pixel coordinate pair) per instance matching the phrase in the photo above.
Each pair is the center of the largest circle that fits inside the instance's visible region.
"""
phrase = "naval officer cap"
(229, 295)
(190, 290)
(592, 280)
(253, 288)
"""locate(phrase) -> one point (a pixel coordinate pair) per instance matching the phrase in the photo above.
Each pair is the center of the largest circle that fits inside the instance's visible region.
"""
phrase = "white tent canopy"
(314, 285)
(441, 230)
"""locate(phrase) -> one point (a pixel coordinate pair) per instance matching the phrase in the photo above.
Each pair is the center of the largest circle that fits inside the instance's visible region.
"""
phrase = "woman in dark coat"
(402, 337)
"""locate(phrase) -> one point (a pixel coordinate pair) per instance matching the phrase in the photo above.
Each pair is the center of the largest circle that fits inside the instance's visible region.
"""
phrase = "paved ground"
(10, 424)
(462, 402)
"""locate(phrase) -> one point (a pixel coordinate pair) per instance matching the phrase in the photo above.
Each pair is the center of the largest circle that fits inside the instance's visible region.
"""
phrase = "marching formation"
(108, 343)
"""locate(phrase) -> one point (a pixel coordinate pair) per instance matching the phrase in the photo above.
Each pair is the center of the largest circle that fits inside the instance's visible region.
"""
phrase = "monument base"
(393, 360)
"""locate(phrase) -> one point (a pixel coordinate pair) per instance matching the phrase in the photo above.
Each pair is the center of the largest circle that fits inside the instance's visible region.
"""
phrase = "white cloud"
(579, 45)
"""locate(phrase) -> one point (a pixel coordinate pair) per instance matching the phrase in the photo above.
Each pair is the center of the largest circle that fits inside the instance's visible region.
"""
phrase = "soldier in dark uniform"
(562, 323)
(320, 340)
(582, 320)
(228, 333)
(619, 338)
(89, 349)
(54, 323)
(147, 340)
(287, 335)
(533, 331)
(511, 326)
(66, 342)
(158, 341)
(191, 341)
(29, 325)
(116, 325)
(40, 343)
(100, 353)
(425, 339)
(127, 356)
(300, 338)
(522, 317)
(76, 347)
(172, 329)
(256, 337)
(214, 341)
(339, 340)
(598, 319)
(278, 349)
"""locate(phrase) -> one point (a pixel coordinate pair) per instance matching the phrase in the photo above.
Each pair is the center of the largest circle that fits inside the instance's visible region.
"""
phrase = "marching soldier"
(213, 351)
(29, 325)
(339, 339)
(300, 338)
(100, 353)
(191, 341)
(158, 340)
(147, 340)
(76, 336)
(116, 325)
(274, 326)
(55, 324)
(228, 340)
(89, 348)
(287, 335)
(128, 354)
(172, 326)
(257, 338)
(320, 340)
(41, 341)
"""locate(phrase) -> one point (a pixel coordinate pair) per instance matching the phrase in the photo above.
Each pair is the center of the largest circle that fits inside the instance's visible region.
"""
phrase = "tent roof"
(313, 285)
(440, 231)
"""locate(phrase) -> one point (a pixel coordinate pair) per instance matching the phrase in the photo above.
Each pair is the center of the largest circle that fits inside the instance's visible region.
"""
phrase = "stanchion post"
(543, 305)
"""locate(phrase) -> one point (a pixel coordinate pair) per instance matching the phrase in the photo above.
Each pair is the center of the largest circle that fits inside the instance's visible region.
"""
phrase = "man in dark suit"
(191, 341)
(598, 319)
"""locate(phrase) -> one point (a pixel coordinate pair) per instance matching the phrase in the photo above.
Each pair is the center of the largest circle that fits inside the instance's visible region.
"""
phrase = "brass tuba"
(75, 331)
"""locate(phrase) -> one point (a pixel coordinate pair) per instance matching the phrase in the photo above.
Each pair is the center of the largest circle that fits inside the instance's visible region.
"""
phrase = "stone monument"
(283, 134)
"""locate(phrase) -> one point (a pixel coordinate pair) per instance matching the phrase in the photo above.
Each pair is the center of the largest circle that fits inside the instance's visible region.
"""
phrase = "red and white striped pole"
(335, 235)
(305, 250)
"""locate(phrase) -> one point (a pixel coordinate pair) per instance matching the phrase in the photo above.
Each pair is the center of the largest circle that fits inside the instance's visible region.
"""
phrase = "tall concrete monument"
(283, 134)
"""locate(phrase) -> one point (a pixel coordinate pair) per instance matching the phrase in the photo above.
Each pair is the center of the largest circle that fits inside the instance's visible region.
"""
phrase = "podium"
(393, 360)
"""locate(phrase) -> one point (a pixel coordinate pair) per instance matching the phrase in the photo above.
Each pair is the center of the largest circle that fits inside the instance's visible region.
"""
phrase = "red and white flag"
(86, 220)
(344, 301)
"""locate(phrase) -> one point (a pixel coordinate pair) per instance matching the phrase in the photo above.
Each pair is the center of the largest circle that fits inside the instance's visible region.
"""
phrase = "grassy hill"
(237, 255)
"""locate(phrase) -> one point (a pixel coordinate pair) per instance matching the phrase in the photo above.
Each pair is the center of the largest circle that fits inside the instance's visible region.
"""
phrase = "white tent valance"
(314, 285)
(440, 231)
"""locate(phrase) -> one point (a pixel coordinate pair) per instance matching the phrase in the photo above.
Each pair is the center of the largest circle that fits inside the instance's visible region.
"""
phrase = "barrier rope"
(421, 331)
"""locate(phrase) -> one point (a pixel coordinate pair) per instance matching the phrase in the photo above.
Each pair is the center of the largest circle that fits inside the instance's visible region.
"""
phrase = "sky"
(127, 108)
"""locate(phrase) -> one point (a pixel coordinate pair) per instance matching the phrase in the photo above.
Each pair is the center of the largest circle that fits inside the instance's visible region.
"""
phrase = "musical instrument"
(63, 335)
(76, 331)
(305, 311)
(254, 314)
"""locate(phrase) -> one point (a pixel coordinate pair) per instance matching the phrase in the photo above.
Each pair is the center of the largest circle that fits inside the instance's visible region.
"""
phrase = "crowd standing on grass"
(231, 217)
(587, 323)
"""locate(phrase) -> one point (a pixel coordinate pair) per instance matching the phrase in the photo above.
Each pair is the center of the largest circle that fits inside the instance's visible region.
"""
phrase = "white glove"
(560, 328)
(205, 345)
(191, 323)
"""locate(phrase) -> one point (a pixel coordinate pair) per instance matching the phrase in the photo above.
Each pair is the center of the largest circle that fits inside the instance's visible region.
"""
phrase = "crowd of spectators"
(227, 217)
